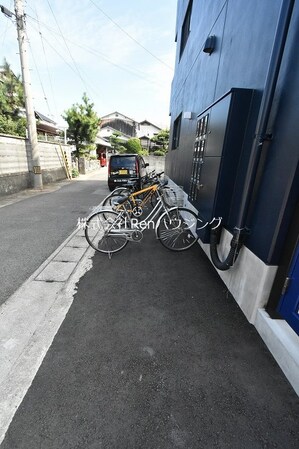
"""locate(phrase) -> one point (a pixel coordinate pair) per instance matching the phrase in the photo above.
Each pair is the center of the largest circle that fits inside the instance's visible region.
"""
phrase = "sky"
(120, 52)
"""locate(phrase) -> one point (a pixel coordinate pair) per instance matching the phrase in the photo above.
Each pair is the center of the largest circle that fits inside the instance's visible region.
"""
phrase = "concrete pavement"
(33, 224)
(30, 317)
(150, 352)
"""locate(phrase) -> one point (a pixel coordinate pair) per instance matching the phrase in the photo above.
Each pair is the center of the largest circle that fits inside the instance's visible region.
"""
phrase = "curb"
(31, 317)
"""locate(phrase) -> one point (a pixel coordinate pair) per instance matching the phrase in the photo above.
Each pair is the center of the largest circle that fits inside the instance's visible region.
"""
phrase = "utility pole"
(35, 168)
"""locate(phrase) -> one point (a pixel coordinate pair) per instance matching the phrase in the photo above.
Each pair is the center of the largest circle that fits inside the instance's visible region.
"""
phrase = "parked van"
(125, 167)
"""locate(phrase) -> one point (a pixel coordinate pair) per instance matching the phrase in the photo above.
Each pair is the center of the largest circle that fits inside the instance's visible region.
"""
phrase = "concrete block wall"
(155, 163)
(86, 165)
(13, 155)
(50, 156)
(15, 164)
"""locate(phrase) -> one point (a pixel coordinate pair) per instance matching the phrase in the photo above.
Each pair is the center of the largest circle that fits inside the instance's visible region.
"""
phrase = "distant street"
(31, 229)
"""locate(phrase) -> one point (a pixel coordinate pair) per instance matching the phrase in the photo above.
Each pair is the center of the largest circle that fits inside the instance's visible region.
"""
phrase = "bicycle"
(140, 198)
(150, 179)
(109, 230)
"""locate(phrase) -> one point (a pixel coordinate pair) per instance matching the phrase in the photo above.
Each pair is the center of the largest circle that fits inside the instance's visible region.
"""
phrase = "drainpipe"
(250, 185)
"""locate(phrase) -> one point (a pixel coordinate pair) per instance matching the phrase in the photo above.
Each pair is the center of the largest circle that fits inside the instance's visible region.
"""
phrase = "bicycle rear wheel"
(118, 192)
(98, 232)
(176, 229)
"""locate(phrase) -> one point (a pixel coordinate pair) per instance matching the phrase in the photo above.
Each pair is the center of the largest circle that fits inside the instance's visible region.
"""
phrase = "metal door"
(289, 303)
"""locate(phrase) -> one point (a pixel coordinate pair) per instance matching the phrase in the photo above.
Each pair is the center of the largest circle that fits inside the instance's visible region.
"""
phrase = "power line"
(6, 25)
(55, 50)
(98, 53)
(66, 62)
(129, 35)
(131, 71)
(5, 31)
(39, 77)
(47, 65)
(75, 70)
(64, 40)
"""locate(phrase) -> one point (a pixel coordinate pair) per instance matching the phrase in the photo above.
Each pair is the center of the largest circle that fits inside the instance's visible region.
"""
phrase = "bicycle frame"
(149, 191)
(124, 214)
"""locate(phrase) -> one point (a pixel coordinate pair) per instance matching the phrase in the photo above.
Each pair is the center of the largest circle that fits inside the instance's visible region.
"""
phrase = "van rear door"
(123, 166)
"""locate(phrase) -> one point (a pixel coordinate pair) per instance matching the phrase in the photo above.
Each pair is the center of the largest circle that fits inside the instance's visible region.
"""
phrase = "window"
(176, 132)
(186, 28)
(128, 162)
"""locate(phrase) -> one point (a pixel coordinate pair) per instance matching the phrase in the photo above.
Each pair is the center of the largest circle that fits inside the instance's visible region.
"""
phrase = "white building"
(128, 127)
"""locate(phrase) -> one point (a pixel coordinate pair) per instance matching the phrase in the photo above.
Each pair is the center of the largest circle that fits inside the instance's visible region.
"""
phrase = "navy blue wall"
(245, 32)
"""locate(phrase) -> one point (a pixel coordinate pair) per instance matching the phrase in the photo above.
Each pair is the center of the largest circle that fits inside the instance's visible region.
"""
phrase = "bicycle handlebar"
(164, 183)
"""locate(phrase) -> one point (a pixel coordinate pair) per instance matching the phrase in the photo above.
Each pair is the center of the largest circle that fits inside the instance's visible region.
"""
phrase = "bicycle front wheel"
(99, 232)
(176, 229)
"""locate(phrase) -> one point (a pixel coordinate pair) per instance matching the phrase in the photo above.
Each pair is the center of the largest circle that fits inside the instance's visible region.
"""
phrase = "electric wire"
(47, 65)
(7, 25)
(131, 37)
(39, 77)
(132, 71)
(55, 50)
(3, 35)
(67, 63)
(74, 67)
(68, 49)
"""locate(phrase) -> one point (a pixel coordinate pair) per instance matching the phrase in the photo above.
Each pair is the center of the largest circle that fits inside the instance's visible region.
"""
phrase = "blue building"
(234, 149)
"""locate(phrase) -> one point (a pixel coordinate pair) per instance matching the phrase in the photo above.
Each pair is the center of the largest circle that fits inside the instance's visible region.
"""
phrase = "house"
(234, 148)
(117, 122)
(46, 128)
(14, 91)
(128, 128)
(147, 130)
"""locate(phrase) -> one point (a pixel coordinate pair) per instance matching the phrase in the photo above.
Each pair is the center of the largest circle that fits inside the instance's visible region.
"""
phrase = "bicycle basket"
(173, 197)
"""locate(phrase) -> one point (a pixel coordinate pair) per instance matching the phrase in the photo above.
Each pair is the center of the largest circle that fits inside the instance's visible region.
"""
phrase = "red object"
(103, 161)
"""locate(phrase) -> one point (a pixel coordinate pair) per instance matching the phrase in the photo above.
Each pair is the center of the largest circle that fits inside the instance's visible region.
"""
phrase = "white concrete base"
(249, 280)
(283, 343)
(31, 317)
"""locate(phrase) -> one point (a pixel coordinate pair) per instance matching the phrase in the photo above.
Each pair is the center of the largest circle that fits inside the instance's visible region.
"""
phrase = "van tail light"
(109, 167)
(137, 169)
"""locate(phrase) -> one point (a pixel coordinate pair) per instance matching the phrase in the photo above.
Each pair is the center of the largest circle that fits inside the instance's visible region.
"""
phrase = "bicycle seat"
(132, 183)
(120, 200)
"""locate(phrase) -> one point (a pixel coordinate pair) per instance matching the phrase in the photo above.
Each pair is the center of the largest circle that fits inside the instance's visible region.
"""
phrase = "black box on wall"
(221, 147)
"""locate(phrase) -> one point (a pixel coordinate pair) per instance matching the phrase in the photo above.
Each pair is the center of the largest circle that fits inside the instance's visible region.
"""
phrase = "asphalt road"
(33, 227)
(154, 354)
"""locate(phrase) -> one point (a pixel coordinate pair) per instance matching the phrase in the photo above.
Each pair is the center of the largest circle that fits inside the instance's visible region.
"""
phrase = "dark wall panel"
(244, 33)
(279, 188)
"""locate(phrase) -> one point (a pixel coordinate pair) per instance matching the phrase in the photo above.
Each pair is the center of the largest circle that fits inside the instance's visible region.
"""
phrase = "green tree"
(83, 124)
(12, 104)
(116, 142)
(161, 140)
(133, 146)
